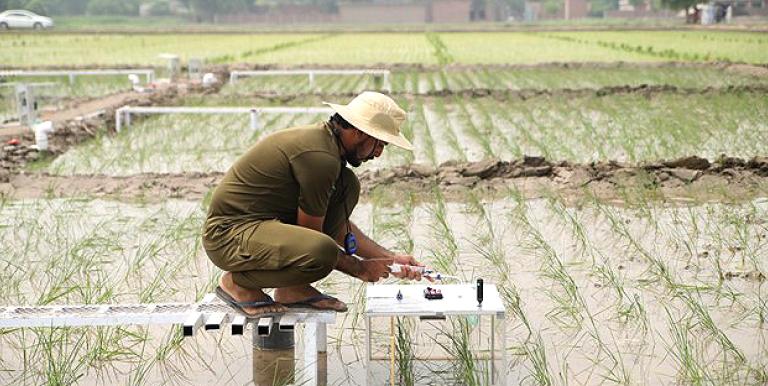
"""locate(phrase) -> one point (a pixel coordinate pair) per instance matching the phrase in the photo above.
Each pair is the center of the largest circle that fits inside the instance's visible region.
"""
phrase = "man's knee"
(323, 254)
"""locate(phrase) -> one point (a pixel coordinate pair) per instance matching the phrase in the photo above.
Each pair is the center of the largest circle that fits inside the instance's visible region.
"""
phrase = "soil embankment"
(689, 178)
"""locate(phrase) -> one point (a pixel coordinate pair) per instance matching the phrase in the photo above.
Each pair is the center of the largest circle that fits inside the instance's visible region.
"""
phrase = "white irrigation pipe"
(147, 72)
(34, 84)
(123, 114)
(234, 75)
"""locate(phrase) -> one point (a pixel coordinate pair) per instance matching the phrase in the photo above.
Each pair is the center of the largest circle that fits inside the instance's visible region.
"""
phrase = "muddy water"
(106, 240)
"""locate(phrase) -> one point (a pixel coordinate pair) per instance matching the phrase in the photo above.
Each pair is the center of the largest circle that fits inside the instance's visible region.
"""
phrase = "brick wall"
(434, 11)
(382, 13)
(450, 11)
(577, 9)
(284, 14)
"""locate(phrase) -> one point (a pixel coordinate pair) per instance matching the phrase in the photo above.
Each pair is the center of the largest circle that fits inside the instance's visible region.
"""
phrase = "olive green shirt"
(290, 169)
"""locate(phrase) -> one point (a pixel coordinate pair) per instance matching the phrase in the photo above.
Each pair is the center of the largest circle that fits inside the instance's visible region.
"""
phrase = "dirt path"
(84, 109)
(686, 179)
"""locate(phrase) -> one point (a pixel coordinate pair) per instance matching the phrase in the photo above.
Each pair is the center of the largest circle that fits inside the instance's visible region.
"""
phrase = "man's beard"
(351, 158)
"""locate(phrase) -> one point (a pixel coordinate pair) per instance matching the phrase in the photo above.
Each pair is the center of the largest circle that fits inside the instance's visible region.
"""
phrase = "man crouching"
(281, 212)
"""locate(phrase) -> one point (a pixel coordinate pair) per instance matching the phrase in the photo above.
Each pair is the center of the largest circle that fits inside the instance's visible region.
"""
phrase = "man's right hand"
(371, 270)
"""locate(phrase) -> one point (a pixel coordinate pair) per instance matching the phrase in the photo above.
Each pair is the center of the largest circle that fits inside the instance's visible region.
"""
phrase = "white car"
(24, 19)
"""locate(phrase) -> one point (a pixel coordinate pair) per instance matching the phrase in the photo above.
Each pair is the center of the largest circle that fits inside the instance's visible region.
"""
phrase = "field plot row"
(494, 78)
(173, 144)
(651, 295)
(57, 92)
(624, 127)
(679, 45)
(20, 50)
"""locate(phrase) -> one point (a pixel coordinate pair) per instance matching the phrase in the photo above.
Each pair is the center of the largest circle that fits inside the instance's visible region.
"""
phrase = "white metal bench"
(209, 314)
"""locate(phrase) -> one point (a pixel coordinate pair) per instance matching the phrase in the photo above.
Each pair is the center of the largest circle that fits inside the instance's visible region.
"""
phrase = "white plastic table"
(458, 300)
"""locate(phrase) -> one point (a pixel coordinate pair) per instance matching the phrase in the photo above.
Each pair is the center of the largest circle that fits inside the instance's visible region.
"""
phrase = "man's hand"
(405, 272)
(372, 270)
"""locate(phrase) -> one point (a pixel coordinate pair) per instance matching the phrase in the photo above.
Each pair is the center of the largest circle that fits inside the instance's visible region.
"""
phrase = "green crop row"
(494, 78)
(22, 50)
(624, 127)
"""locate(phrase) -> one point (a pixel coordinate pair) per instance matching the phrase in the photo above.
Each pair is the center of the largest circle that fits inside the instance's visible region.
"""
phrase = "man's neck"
(339, 143)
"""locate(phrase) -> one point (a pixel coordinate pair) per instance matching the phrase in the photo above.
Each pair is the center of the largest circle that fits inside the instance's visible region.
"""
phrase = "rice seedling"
(446, 249)
(686, 353)
(457, 344)
(565, 294)
(628, 306)
(405, 355)
(481, 134)
(422, 135)
(704, 320)
(173, 144)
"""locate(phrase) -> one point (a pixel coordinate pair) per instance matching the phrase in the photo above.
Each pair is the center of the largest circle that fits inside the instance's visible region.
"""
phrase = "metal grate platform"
(211, 313)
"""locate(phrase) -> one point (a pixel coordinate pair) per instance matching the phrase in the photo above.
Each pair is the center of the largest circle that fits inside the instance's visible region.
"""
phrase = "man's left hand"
(405, 272)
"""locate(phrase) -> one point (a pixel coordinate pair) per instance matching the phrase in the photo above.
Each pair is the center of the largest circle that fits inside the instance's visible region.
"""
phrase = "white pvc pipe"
(148, 72)
(234, 75)
(123, 114)
(224, 110)
(41, 134)
(254, 119)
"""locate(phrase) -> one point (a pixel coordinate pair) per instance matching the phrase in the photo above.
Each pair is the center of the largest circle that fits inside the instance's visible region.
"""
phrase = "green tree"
(113, 7)
(37, 6)
(206, 10)
(598, 7)
(553, 6)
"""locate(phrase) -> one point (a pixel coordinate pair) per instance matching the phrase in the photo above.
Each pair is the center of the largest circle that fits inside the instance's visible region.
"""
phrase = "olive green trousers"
(273, 254)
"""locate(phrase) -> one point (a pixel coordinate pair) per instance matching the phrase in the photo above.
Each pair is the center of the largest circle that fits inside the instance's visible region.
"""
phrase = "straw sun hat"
(377, 115)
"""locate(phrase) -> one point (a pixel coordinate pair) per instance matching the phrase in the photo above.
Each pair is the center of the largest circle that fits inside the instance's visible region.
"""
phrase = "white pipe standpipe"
(123, 114)
(235, 75)
(41, 134)
(71, 74)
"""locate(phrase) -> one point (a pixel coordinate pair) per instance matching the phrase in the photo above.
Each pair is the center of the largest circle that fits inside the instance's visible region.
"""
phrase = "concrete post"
(194, 68)
(255, 125)
(26, 105)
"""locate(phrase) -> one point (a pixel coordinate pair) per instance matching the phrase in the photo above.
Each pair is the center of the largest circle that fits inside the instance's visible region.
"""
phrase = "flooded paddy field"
(647, 294)
(611, 184)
